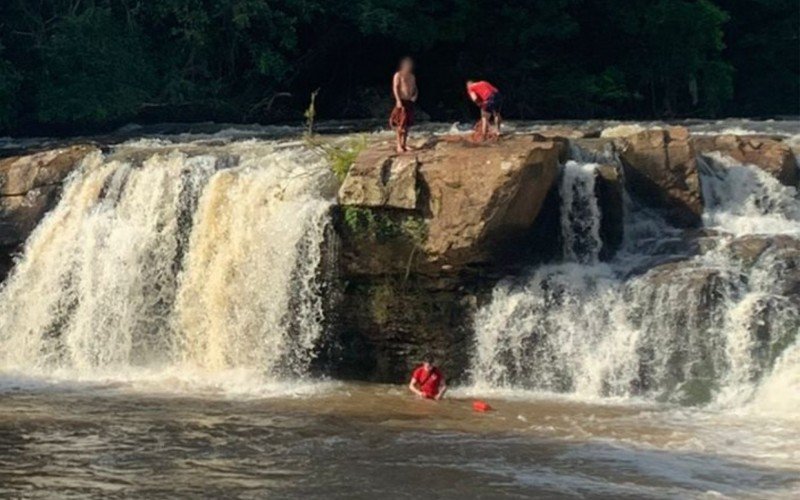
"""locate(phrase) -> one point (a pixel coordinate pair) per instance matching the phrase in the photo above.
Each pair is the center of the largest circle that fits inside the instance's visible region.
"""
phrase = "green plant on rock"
(416, 229)
(340, 156)
(311, 113)
(381, 226)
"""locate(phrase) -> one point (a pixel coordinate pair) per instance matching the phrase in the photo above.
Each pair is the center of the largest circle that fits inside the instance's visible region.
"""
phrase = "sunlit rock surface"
(471, 197)
(661, 169)
(29, 186)
(772, 156)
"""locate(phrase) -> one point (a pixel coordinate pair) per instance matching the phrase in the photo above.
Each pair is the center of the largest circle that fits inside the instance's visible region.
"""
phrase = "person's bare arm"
(415, 94)
(413, 386)
(474, 97)
(442, 390)
(396, 90)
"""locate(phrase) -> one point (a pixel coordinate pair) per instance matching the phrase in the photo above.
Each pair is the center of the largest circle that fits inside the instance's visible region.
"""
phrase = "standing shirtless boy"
(404, 88)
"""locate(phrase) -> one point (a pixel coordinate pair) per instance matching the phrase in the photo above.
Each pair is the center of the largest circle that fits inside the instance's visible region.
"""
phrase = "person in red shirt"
(427, 381)
(488, 98)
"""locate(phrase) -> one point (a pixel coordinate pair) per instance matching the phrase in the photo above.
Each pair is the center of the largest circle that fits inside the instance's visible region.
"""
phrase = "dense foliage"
(75, 65)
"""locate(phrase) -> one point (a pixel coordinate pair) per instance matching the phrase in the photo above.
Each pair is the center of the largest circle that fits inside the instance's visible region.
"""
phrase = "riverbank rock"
(661, 170)
(770, 155)
(29, 187)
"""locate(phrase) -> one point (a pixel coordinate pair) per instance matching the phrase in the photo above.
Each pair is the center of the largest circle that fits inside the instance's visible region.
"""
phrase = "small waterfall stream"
(580, 214)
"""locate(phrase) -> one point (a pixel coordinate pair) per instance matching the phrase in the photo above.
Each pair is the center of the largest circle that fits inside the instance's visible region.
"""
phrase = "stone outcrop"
(782, 251)
(414, 275)
(661, 170)
(380, 179)
(29, 186)
(472, 198)
(770, 155)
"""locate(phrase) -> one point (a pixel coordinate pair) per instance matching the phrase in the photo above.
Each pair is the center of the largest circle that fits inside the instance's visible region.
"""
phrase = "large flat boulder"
(772, 156)
(476, 202)
(661, 170)
(476, 197)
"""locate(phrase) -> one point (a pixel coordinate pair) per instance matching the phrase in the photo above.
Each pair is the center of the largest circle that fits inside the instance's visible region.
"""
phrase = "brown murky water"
(370, 441)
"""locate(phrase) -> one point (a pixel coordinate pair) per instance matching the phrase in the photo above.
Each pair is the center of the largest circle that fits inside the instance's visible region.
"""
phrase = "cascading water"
(580, 215)
(708, 326)
(201, 259)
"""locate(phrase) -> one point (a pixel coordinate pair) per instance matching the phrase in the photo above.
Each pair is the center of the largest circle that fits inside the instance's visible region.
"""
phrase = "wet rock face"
(29, 187)
(610, 198)
(386, 324)
(780, 254)
(661, 170)
(770, 155)
(413, 275)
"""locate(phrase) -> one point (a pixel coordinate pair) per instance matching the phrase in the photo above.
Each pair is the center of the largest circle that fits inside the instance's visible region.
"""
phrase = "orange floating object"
(481, 406)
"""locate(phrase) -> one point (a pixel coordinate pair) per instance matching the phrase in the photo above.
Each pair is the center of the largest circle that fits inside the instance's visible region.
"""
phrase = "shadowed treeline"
(75, 65)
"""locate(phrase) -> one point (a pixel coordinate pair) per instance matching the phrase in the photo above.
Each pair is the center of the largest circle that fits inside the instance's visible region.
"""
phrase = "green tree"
(763, 38)
(9, 86)
(674, 52)
(94, 70)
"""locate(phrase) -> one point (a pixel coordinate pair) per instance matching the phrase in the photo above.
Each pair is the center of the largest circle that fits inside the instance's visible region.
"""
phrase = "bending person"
(488, 98)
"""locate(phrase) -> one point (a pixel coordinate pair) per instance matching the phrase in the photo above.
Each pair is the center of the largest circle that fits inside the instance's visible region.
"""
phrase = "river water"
(336, 440)
(157, 331)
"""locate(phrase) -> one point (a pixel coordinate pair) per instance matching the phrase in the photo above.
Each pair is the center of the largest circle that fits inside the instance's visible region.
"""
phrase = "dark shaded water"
(356, 442)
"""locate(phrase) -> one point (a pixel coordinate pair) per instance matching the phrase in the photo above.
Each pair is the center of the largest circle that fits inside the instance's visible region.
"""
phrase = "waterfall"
(580, 215)
(716, 327)
(182, 257)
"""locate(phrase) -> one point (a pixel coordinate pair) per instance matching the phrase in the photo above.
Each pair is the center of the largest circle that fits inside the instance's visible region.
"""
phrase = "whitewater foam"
(709, 329)
(203, 260)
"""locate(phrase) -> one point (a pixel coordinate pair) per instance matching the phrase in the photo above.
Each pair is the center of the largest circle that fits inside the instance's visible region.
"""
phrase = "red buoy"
(481, 406)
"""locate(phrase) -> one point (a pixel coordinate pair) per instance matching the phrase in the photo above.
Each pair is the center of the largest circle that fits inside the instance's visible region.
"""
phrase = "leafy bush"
(382, 226)
(340, 156)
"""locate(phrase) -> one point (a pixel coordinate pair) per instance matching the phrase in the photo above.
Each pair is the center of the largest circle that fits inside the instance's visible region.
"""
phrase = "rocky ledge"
(29, 186)
(424, 237)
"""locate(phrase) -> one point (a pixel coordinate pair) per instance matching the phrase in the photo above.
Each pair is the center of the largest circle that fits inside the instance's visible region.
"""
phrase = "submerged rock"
(661, 170)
